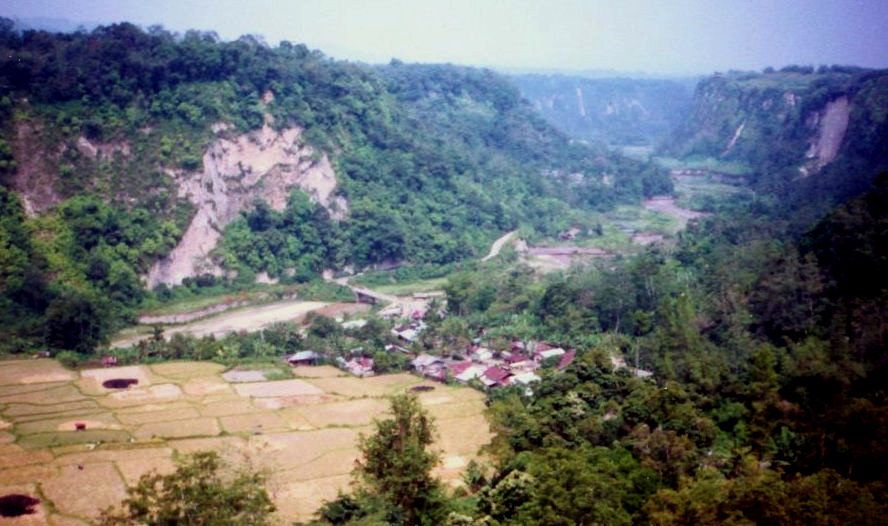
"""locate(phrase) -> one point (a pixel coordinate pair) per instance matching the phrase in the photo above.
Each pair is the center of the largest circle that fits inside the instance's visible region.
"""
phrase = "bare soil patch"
(26, 474)
(23, 457)
(280, 388)
(222, 444)
(248, 319)
(463, 436)
(317, 371)
(38, 371)
(282, 402)
(56, 394)
(84, 492)
(337, 310)
(31, 410)
(28, 372)
(187, 370)
(349, 413)
(286, 451)
(240, 376)
(253, 423)
(135, 468)
(225, 408)
(373, 386)
(206, 386)
(299, 499)
(153, 394)
(146, 417)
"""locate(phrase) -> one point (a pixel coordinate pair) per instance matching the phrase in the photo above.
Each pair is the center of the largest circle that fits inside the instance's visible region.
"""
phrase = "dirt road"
(247, 319)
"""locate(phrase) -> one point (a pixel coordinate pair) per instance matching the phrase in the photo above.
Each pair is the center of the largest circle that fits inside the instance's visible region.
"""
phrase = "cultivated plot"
(67, 431)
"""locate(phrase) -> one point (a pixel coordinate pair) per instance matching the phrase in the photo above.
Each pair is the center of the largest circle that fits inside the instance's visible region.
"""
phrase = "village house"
(410, 332)
(466, 373)
(303, 358)
(566, 359)
(109, 361)
(430, 366)
(495, 377)
(360, 366)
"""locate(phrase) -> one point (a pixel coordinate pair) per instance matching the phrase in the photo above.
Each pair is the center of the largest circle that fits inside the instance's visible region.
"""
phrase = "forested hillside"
(734, 380)
(815, 136)
(126, 153)
(619, 111)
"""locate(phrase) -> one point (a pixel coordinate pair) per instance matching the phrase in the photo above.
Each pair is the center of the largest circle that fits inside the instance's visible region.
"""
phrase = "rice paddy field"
(74, 443)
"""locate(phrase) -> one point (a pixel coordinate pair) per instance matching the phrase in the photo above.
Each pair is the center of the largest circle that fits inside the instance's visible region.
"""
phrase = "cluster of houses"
(517, 366)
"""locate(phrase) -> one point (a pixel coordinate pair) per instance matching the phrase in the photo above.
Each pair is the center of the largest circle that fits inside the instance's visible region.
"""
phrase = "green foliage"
(296, 244)
(77, 321)
(396, 463)
(202, 490)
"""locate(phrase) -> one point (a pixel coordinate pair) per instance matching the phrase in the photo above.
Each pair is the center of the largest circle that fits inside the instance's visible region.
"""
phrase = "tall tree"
(396, 462)
(202, 491)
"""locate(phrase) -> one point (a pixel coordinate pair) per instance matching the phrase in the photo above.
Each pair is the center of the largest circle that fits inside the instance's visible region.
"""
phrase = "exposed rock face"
(263, 164)
(36, 171)
(101, 150)
(831, 124)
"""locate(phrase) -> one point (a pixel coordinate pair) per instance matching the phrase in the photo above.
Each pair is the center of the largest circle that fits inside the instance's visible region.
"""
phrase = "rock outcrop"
(264, 164)
(831, 123)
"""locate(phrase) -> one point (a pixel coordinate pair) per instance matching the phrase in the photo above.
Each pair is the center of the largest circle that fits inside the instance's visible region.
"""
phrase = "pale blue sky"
(665, 37)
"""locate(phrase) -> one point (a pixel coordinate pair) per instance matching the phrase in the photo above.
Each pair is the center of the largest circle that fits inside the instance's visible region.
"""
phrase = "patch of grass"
(708, 163)
(401, 289)
(67, 438)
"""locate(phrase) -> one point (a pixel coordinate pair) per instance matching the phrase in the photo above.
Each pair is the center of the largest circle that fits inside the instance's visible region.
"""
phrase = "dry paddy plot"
(280, 388)
(33, 372)
(378, 386)
(320, 371)
(84, 490)
(187, 370)
(304, 430)
(195, 427)
(91, 380)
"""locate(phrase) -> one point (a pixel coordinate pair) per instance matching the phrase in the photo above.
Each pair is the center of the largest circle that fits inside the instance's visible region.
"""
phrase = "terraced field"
(303, 431)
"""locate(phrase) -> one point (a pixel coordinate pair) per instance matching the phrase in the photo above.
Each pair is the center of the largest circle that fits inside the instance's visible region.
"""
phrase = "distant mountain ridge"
(617, 110)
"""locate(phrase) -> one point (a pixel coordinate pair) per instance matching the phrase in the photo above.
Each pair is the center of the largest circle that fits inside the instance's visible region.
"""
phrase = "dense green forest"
(766, 404)
(434, 161)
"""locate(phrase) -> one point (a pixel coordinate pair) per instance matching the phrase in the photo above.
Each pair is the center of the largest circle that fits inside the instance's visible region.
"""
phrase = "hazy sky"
(665, 36)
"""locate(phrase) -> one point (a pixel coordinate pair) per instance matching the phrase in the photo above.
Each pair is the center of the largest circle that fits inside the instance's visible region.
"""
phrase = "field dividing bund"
(75, 441)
